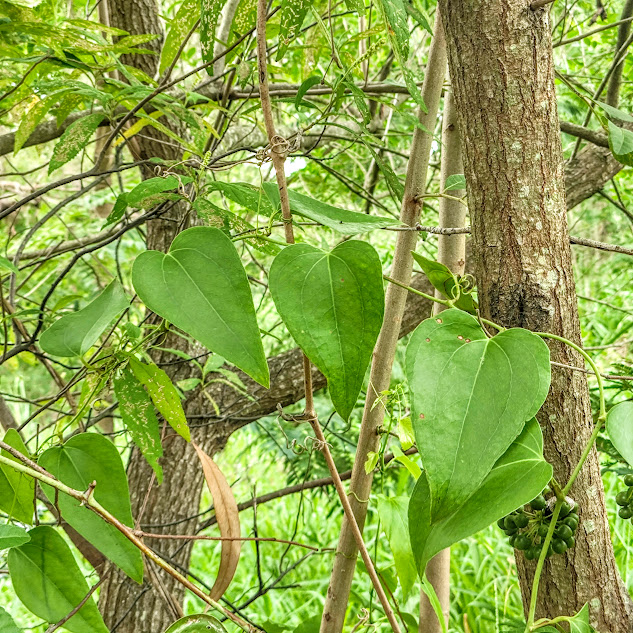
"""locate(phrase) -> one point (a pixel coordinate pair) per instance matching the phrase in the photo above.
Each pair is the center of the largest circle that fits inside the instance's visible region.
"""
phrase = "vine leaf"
(201, 286)
(228, 519)
(74, 334)
(517, 477)
(74, 139)
(198, 623)
(82, 460)
(48, 581)
(17, 490)
(139, 418)
(332, 304)
(7, 625)
(12, 536)
(339, 220)
(446, 282)
(619, 427)
(471, 397)
(163, 394)
(393, 513)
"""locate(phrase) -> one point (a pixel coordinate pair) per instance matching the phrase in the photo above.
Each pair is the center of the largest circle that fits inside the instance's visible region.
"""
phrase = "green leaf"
(339, 220)
(619, 427)
(579, 623)
(74, 334)
(17, 490)
(517, 477)
(47, 579)
(74, 139)
(293, 13)
(12, 536)
(615, 113)
(139, 418)
(471, 397)
(117, 210)
(7, 625)
(163, 394)
(305, 86)
(355, 5)
(87, 458)
(247, 196)
(332, 304)
(8, 265)
(148, 193)
(30, 120)
(621, 143)
(446, 282)
(395, 15)
(209, 13)
(393, 513)
(455, 181)
(179, 27)
(199, 623)
(201, 287)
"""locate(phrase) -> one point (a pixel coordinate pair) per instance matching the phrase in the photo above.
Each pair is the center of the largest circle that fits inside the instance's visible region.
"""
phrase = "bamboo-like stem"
(384, 352)
(278, 149)
(451, 251)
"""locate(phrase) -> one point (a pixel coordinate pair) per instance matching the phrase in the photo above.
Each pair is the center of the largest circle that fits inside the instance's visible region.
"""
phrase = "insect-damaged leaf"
(82, 460)
(332, 304)
(209, 13)
(471, 397)
(293, 12)
(139, 418)
(517, 477)
(201, 286)
(198, 623)
(74, 334)
(48, 581)
(228, 519)
(74, 139)
(163, 394)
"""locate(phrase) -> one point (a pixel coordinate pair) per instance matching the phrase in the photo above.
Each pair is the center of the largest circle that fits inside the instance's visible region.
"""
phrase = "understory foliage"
(147, 227)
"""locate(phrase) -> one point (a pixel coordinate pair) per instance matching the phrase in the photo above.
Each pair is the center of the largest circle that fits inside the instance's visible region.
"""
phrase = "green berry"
(622, 498)
(521, 520)
(565, 509)
(538, 503)
(574, 516)
(509, 523)
(628, 480)
(626, 512)
(501, 522)
(572, 523)
(542, 530)
(559, 546)
(564, 531)
(512, 540)
(522, 542)
(570, 542)
(533, 553)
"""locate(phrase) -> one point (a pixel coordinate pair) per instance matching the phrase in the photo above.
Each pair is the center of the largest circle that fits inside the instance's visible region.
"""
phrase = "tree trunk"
(500, 57)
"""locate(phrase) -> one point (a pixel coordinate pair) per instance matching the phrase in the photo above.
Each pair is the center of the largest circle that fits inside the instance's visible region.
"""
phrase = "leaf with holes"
(82, 460)
(17, 490)
(74, 334)
(471, 398)
(48, 581)
(198, 623)
(184, 20)
(74, 139)
(139, 418)
(201, 286)
(293, 13)
(516, 478)
(332, 304)
(163, 394)
(209, 13)
(228, 518)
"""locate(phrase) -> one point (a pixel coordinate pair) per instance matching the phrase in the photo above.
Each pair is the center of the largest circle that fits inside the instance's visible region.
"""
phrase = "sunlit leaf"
(74, 139)
(198, 623)
(12, 536)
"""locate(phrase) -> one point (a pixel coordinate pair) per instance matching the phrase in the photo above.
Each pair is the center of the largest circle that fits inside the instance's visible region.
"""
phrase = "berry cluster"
(527, 527)
(625, 499)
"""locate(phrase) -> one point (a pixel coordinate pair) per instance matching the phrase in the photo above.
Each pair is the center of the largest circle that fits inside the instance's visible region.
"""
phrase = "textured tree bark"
(500, 57)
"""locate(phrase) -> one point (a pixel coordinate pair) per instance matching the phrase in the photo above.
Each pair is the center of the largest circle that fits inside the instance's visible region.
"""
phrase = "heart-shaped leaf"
(12, 536)
(471, 397)
(17, 490)
(201, 286)
(519, 476)
(332, 304)
(83, 459)
(619, 427)
(198, 623)
(48, 581)
(74, 334)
